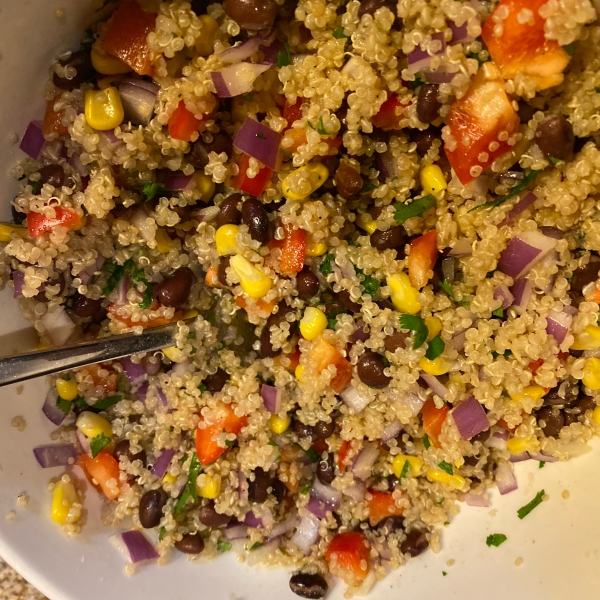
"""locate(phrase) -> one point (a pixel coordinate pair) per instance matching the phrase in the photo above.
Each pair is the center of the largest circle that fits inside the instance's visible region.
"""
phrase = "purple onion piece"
(503, 293)
(133, 371)
(558, 325)
(18, 278)
(50, 410)
(234, 81)
(33, 140)
(162, 462)
(505, 478)
(363, 463)
(521, 290)
(353, 399)
(259, 142)
(271, 398)
(252, 520)
(55, 455)
(435, 385)
(236, 531)
(318, 508)
(134, 547)
(473, 499)
(523, 252)
(307, 534)
(138, 103)
(391, 430)
(326, 493)
(522, 205)
(470, 418)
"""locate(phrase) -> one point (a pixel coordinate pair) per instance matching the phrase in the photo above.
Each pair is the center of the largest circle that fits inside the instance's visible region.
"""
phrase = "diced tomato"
(268, 306)
(293, 251)
(522, 47)
(207, 448)
(348, 556)
(292, 112)
(127, 36)
(52, 121)
(422, 257)
(480, 124)
(324, 354)
(381, 506)
(156, 322)
(433, 419)
(101, 469)
(38, 223)
(102, 375)
(502, 423)
(534, 365)
(320, 446)
(343, 456)
(563, 356)
(254, 186)
(390, 114)
(183, 124)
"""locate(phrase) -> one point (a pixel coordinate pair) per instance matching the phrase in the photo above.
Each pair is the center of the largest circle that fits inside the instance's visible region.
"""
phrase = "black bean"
(553, 419)
(256, 218)
(17, 216)
(395, 340)
(123, 449)
(252, 15)
(570, 417)
(199, 150)
(266, 347)
(192, 543)
(370, 369)
(58, 280)
(229, 213)
(85, 307)
(325, 429)
(471, 461)
(343, 297)
(563, 394)
(526, 111)
(53, 175)
(481, 437)
(307, 284)
(200, 6)
(150, 509)
(216, 382)
(302, 430)
(424, 138)
(211, 518)
(258, 489)
(555, 137)
(222, 270)
(585, 275)
(326, 469)
(348, 181)
(278, 490)
(151, 363)
(428, 105)
(81, 61)
(584, 404)
(370, 7)
(415, 543)
(309, 585)
(175, 289)
(391, 524)
(391, 239)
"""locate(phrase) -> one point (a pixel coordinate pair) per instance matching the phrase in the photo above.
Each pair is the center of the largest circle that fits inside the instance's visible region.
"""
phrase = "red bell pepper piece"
(534, 365)
(38, 223)
(342, 455)
(324, 354)
(207, 448)
(433, 419)
(389, 115)
(422, 257)
(348, 556)
(254, 186)
(292, 112)
(183, 124)
(52, 121)
(100, 470)
(293, 251)
(381, 506)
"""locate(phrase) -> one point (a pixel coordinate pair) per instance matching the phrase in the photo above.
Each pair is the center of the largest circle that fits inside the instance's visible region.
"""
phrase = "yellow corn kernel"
(520, 445)
(302, 182)
(205, 45)
(174, 354)
(454, 481)
(433, 180)
(7, 230)
(103, 109)
(415, 465)
(313, 323)
(535, 392)
(299, 372)
(105, 64)
(315, 248)
(93, 425)
(226, 239)
(455, 377)
(279, 425)
(437, 366)
(253, 281)
(67, 390)
(212, 487)
(164, 244)
(596, 415)
(190, 314)
(64, 496)
(205, 185)
(588, 339)
(404, 295)
(366, 222)
(168, 478)
(591, 373)
(434, 326)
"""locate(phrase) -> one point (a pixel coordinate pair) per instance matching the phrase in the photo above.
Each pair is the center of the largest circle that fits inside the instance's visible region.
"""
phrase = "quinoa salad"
(376, 226)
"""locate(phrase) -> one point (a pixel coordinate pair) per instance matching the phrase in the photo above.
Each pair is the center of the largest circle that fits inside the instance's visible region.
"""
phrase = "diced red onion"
(134, 547)
(161, 464)
(122, 289)
(438, 388)
(438, 77)
(414, 402)
(361, 333)
(285, 526)
(420, 59)
(112, 138)
(263, 552)
(356, 491)
(383, 550)
(50, 410)
(498, 440)
(245, 50)
(459, 339)
(18, 278)
(463, 247)
(55, 455)
(138, 103)
(58, 325)
(521, 290)
(472, 499)
(252, 520)
(522, 205)
(515, 458)
(84, 442)
(326, 493)
(75, 162)
(179, 181)
(142, 392)
(449, 268)
(558, 325)
(483, 376)
(33, 140)
(133, 371)
(259, 142)
(318, 508)
(353, 400)
(543, 457)
(503, 293)
(391, 430)
(505, 478)
(363, 463)
(523, 252)
(162, 396)
(386, 165)
(87, 274)
(237, 79)
(470, 418)
(570, 310)
(144, 225)
(236, 531)
(271, 398)
(307, 534)
(552, 232)
(345, 272)
(207, 214)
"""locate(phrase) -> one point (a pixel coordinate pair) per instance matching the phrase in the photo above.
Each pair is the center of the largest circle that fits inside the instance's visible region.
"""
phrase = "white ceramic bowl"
(558, 542)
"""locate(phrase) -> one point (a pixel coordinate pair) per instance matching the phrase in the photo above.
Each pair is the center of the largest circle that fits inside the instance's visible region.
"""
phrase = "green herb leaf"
(404, 471)
(312, 454)
(403, 212)
(223, 546)
(99, 443)
(513, 192)
(64, 405)
(195, 466)
(446, 467)
(367, 187)
(80, 402)
(435, 347)
(339, 33)
(417, 325)
(321, 127)
(542, 464)
(448, 289)
(570, 49)
(202, 387)
(426, 442)
(286, 154)
(499, 312)
(441, 501)
(325, 267)
(271, 443)
(161, 534)
(261, 136)
(371, 285)
(475, 55)
(310, 125)
(154, 190)
(36, 187)
(284, 57)
(256, 545)
(107, 402)
(417, 83)
(495, 539)
(525, 510)
(553, 160)
(444, 573)
(305, 490)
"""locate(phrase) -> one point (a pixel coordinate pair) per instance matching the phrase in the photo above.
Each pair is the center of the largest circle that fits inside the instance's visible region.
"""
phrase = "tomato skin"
(433, 420)
(101, 469)
(183, 124)
(324, 354)
(535, 365)
(38, 223)
(342, 455)
(255, 186)
(52, 121)
(292, 112)
(127, 37)
(381, 506)
(477, 121)
(348, 556)
(422, 257)
(293, 251)
(206, 444)
(389, 114)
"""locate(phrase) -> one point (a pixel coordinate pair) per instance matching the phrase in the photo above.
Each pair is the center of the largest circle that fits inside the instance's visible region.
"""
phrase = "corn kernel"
(168, 478)
(67, 390)
(105, 64)
(591, 373)
(93, 425)
(366, 222)
(190, 314)
(174, 354)
(253, 281)
(434, 327)
(6, 232)
(315, 248)
(415, 465)
(212, 487)
(313, 323)
(164, 244)
(279, 425)
(437, 366)
(209, 34)
(226, 239)
(520, 445)
(205, 185)
(596, 415)
(317, 176)
(454, 481)
(432, 179)
(535, 392)
(103, 109)
(64, 496)
(403, 295)
(588, 339)
(299, 372)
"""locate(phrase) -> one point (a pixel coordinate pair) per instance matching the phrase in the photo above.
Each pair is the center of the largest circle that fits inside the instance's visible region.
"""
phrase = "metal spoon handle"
(45, 362)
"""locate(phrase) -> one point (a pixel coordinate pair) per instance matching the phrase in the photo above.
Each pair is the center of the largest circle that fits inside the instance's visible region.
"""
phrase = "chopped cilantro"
(513, 192)
(325, 267)
(441, 501)
(229, 443)
(284, 57)
(99, 443)
(190, 487)
(321, 128)
(426, 442)
(137, 276)
(256, 545)
(80, 402)
(262, 136)
(570, 48)
(202, 387)
(448, 289)
(435, 347)
(553, 160)
(475, 55)
(417, 83)
(371, 285)
(499, 312)
(495, 539)
(36, 187)
(525, 510)
(404, 471)
(271, 443)
(417, 325)
(286, 154)
(312, 454)
(155, 190)
(542, 464)
(161, 534)
(366, 188)
(107, 402)
(416, 208)
(223, 546)
(248, 96)
(446, 467)
(305, 490)
(63, 405)
(339, 34)
(310, 125)
(444, 573)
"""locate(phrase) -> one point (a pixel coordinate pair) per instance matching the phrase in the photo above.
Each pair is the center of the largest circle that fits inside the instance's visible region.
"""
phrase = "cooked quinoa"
(376, 226)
